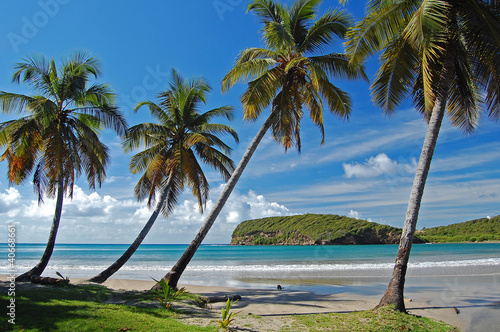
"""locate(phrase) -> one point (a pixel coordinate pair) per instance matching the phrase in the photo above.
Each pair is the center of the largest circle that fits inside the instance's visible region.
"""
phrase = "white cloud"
(357, 215)
(9, 207)
(11, 196)
(378, 165)
(354, 214)
(94, 218)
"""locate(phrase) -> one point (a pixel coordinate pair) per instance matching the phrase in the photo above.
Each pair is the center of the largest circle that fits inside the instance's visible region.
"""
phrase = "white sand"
(476, 297)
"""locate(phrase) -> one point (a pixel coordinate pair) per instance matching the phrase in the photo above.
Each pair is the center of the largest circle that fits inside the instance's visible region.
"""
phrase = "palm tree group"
(288, 77)
(445, 54)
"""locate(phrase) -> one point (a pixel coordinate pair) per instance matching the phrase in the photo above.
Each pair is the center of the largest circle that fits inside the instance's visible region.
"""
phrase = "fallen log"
(214, 299)
(49, 281)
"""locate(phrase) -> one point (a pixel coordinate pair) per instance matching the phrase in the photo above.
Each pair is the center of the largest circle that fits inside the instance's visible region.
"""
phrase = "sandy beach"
(469, 301)
(477, 299)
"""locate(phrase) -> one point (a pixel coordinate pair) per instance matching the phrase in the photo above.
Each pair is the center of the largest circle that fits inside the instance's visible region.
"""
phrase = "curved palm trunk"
(394, 293)
(44, 261)
(104, 275)
(175, 273)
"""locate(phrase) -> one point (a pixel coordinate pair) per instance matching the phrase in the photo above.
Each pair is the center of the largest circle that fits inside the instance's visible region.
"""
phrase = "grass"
(85, 308)
(96, 308)
(384, 319)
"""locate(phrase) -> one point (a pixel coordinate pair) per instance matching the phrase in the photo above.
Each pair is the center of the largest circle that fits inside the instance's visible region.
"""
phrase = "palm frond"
(260, 93)
(377, 29)
(463, 97)
(339, 66)
(14, 103)
(267, 10)
(301, 13)
(338, 100)
(147, 135)
(248, 70)
(216, 159)
(320, 35)
(395, 76)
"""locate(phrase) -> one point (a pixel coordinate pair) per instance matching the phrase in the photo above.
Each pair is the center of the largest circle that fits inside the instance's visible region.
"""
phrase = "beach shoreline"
(476, 298)
(337, 279)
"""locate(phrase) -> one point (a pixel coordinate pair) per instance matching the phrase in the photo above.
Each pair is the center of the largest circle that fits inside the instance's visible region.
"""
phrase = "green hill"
(312, 229)
(477, 230)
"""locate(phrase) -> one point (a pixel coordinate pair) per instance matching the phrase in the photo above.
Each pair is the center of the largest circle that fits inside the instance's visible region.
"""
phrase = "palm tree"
(58, 138)
(172, 145)
(447, 54)
(287, 76)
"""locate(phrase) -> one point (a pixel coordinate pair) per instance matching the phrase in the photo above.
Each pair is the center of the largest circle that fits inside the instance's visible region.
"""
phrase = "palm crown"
(172, 144)
(417, 37)
(58, 138)
(286, 76)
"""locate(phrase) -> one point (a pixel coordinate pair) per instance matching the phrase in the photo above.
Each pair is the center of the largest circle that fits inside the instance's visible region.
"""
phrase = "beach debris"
(456, 310)
(232, 298)
(408, 300)
(49, 281)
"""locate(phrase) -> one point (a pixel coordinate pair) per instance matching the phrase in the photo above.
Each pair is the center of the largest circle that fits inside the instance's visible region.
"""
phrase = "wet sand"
(476, 298)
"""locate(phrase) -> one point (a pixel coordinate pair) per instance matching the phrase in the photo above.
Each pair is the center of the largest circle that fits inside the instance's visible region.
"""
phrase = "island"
(328, 229)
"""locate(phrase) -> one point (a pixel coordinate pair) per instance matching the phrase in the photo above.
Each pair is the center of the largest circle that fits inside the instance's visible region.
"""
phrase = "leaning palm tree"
(287, 76)
(447, 54)
(58, 138)
(172, 145)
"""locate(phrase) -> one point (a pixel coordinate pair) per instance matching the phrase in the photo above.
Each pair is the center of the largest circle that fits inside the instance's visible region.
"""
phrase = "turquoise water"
(250, 265)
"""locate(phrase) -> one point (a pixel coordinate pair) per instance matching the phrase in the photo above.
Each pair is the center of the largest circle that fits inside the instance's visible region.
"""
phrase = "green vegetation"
(478, 230)
(85, 308)
(227, 315)
(90, 308)
(313, 229)
(309, 229)
(168, 294)
(384, 319)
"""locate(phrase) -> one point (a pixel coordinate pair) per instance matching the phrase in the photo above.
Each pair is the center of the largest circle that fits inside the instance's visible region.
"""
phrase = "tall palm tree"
(58, 138)
(287, 76)
(172, 145)
(447, 54)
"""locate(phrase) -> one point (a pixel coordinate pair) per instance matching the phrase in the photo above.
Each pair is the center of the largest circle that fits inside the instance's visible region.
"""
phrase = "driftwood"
(213, 299)
(48, 281)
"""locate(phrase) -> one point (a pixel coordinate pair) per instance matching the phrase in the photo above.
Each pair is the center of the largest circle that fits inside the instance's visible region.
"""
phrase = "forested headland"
(325, 229)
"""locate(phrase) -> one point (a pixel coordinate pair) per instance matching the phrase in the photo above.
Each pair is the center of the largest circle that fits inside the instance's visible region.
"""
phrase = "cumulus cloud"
(11, 196)
(238, 208)
(9, 207)
(354, 214)
(378, 165)
(357, 215)
(95, 218)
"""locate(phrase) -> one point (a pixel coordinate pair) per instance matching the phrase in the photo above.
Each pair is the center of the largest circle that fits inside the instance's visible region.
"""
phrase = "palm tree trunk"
(104, 275)
(44, 261)
(394, 293)
(175, 273)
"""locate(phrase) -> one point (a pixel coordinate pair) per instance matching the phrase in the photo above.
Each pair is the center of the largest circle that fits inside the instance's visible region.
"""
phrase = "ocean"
(314, 268)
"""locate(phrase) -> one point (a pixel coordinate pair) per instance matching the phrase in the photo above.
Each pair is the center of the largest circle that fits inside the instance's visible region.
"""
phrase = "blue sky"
(364, 170)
